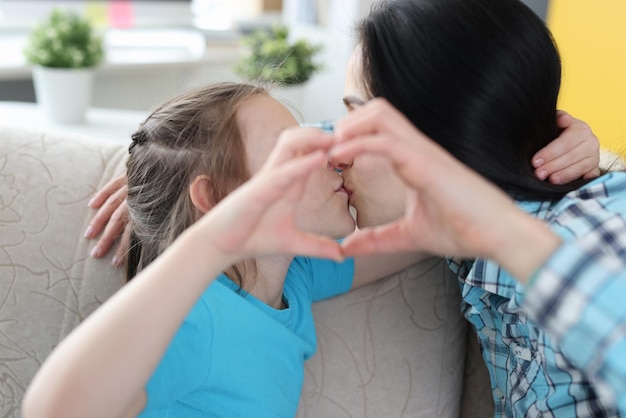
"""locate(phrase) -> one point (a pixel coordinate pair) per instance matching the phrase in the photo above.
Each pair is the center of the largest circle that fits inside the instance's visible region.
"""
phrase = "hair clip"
(138, 137)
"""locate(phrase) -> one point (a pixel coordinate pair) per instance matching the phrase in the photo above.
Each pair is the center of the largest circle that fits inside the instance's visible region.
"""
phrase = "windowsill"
(163, 34)
(132, 49)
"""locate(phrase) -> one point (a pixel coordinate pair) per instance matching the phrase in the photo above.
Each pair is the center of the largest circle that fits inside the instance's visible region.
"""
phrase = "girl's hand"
(450, 209)
(258, 218)
(574, 154)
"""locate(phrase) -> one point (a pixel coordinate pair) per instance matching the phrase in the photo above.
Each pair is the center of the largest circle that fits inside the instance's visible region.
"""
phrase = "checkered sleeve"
(579, 297)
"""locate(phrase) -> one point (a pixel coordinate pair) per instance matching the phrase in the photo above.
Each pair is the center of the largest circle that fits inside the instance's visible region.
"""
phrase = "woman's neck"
(268, 283)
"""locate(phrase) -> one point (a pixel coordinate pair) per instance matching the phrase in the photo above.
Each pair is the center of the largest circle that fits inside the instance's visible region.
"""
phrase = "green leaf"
(64, 40)
(272, 58)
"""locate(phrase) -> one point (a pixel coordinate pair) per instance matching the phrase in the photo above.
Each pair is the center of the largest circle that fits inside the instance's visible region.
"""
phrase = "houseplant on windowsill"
(273, 59)
(63, 50)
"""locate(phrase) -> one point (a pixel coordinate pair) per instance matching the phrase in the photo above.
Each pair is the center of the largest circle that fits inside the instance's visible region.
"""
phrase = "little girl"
(217, 320)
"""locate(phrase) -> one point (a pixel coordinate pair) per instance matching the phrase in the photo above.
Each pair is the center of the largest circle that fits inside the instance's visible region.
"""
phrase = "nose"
(331, 167)
(341, 164)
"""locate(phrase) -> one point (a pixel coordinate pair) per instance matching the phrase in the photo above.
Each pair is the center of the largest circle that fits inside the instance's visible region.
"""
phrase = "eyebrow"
(353, 100)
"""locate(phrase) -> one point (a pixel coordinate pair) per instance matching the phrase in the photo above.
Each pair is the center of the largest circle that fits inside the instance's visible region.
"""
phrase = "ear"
(200, 192)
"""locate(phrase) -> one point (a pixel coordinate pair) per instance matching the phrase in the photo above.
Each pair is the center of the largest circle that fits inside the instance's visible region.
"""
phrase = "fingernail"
(115, 261)
(89, 231)
(95, 252)
(90, 203)
(542, 174)
(556, 179)
(538, 162)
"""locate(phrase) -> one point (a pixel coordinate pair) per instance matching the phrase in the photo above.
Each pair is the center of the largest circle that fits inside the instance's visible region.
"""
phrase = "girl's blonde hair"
(193, 134)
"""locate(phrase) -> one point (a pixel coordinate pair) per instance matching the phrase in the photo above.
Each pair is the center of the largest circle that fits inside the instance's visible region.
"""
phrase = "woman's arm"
(574, 154)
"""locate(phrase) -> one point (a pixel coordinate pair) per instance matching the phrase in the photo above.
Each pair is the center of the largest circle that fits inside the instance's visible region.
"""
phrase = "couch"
(395, 348)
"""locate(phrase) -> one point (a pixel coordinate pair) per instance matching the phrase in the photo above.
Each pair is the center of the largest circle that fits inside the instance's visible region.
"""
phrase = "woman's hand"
(450, 209)
(574, 154)
(111, 217)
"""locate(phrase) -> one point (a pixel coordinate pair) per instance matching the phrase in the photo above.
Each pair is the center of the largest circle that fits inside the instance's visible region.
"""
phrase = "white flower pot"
(64, 94)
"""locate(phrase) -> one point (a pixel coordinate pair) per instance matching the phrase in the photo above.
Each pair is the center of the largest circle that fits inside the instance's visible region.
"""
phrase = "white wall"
(322, 99)
(324, 92)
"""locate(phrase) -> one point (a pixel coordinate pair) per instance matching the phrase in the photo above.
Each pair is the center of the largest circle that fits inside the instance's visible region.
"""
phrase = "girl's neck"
(268, 283)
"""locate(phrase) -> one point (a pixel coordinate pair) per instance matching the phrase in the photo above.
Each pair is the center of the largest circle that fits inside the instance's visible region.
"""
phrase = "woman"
(217, 321)
(555, 274)
(481, 78)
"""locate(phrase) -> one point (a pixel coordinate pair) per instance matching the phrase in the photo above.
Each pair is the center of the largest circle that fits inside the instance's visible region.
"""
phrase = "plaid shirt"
(578, 297)
(541, 356)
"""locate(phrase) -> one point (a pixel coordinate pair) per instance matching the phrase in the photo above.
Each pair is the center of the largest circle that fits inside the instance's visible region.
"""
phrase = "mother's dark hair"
(480, 77)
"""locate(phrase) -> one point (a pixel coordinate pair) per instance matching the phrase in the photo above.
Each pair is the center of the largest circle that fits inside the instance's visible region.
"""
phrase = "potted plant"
(63, 50)
(275, 60)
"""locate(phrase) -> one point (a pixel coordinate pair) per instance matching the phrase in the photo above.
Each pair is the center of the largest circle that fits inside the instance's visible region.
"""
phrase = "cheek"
(374, 176)
(316, 193)
(313, 188)
(380, 194)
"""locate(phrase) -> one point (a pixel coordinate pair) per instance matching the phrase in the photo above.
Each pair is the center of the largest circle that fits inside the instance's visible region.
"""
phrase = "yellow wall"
(591, 35)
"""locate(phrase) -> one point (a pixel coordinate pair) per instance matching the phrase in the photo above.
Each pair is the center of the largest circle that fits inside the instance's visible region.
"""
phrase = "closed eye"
(352, 102)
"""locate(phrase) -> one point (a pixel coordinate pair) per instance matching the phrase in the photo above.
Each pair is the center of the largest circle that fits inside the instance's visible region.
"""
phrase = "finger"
(106, 211)
(270, 186)
(383, 239)
(294, 173)
(110, 188)
(563, 119)
(298, 141)
(255, 199)
(417, 160)
(572, 172)
(112, 231)
(375, 116)
(554, 150)
(315, 246)
(559, 145)
(593, 174)
(572, 163)
(576, 140)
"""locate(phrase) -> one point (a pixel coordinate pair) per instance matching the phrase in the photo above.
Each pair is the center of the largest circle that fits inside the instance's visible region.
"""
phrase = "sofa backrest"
(48, 283)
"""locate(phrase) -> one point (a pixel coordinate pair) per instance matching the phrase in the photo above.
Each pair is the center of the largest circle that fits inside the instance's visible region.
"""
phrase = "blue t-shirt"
(235, 356)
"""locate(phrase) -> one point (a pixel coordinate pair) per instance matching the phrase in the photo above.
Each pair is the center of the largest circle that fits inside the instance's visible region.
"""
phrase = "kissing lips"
(342, 189)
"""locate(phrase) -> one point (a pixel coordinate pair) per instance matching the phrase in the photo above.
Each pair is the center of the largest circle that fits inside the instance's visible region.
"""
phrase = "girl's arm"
(370, 268)
(102, 367)
(574, 154)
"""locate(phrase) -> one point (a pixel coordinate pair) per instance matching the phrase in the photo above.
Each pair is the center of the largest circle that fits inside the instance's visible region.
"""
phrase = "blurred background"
(156, 49)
